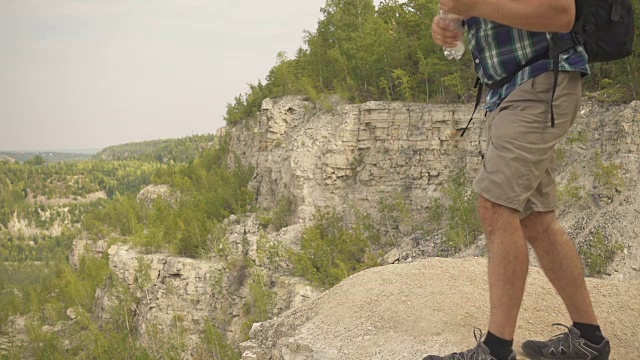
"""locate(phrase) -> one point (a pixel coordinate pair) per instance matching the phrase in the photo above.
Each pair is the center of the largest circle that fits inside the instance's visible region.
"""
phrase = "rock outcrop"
(7, 158)
(19, 226)
(354, 154)
(429, 307)
(167, 287)
(179, 295)
(153, 192)
(65, 201)
(83, 248)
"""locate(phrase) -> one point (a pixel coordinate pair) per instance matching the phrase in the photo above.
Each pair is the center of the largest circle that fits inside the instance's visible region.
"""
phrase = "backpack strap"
(477, 85)
(556, 72)
(555, 56)
(557, 47)
(560, 45)
(496, 85)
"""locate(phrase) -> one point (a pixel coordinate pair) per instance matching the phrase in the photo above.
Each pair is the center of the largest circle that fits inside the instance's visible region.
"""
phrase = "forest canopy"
(363, 52)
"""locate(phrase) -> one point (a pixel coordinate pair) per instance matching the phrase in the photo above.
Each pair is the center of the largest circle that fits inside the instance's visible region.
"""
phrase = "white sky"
(80, 74)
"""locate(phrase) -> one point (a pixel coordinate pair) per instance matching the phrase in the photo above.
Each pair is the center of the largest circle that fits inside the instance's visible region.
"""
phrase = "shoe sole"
(536, 357)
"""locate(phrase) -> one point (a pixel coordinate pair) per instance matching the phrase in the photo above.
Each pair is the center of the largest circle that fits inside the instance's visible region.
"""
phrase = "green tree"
(331, 250)
(37, 160)
(365, 53)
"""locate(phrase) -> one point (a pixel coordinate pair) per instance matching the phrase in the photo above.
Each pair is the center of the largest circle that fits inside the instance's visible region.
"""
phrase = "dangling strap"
(556, 48)
(556, 71)
(477, 85)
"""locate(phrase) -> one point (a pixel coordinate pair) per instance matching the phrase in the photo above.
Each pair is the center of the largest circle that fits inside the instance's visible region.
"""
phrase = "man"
(517, 195)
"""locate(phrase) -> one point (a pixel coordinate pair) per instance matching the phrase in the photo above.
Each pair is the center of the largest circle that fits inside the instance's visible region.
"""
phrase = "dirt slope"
(407, 311)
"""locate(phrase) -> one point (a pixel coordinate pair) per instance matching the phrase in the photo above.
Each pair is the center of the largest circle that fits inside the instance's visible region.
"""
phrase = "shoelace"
(565, 337)
(471, 354)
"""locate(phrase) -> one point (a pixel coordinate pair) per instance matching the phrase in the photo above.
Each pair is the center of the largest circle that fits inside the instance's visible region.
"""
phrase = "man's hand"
(463, 8)
(444, 33)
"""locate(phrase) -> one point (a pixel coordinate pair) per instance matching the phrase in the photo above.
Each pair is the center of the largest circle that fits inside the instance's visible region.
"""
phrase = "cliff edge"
(410, 310)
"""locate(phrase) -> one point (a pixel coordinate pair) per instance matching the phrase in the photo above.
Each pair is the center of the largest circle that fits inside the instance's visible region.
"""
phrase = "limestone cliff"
(354, 154)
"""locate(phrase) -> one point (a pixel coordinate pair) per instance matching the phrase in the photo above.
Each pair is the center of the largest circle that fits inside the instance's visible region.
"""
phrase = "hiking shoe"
(480, 352)
(566, 346)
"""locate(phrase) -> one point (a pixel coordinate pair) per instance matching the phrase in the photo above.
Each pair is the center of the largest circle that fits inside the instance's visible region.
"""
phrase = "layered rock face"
(354, 154)
(176, 294)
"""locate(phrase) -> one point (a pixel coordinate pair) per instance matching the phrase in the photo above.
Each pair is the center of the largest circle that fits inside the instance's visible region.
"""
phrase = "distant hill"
(179, 150)
(49, 156)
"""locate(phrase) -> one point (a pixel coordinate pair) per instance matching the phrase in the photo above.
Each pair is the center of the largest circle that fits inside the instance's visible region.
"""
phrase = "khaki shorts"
(517, 171)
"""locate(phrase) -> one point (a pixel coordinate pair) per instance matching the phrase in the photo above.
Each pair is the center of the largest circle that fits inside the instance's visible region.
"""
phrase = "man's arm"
(533, 15)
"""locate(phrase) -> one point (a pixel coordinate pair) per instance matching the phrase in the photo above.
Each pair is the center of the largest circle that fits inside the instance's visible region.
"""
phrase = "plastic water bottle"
(457, 51)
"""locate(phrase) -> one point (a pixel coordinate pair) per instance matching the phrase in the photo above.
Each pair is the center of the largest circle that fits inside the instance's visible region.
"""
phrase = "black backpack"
(605, 28)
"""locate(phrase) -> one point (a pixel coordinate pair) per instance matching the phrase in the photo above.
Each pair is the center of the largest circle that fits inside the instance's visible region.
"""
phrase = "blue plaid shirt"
(499, 50)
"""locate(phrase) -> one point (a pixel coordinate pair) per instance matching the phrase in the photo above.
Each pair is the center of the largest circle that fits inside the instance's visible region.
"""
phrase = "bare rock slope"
(407, 311)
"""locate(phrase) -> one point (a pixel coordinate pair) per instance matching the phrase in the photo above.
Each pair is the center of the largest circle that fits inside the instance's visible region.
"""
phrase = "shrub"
(269, 254)
(216, 345)
(111, 339)
(580, 137)
(44, 345)
(331, 250)
(282, 213)
(435, 217)
(260, 303)
(264, 220)
(239, 271)
(23, 288)
(168, 346)
(121, 215)
(395, 214)
(462, 223)
(572, 193)
(357, 161)
(598, 252)
(15, 348)
(607, 175)
(78, 288)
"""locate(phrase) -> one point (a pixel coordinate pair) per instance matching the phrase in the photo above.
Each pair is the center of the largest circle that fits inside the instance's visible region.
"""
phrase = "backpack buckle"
(616, 12)
(577, 38)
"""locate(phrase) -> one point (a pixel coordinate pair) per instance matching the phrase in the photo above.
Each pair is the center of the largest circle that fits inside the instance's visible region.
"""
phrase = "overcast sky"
(81, 74)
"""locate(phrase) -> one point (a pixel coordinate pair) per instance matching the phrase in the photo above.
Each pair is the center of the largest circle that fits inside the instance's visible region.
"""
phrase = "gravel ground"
(410, 310)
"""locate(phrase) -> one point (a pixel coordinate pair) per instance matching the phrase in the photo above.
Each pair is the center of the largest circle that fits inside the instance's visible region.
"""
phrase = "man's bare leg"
(508, 265)
(561, 263)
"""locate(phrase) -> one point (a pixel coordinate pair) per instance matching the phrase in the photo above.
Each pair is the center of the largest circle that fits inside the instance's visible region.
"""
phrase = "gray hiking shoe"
(480, 352)
(566, 346)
